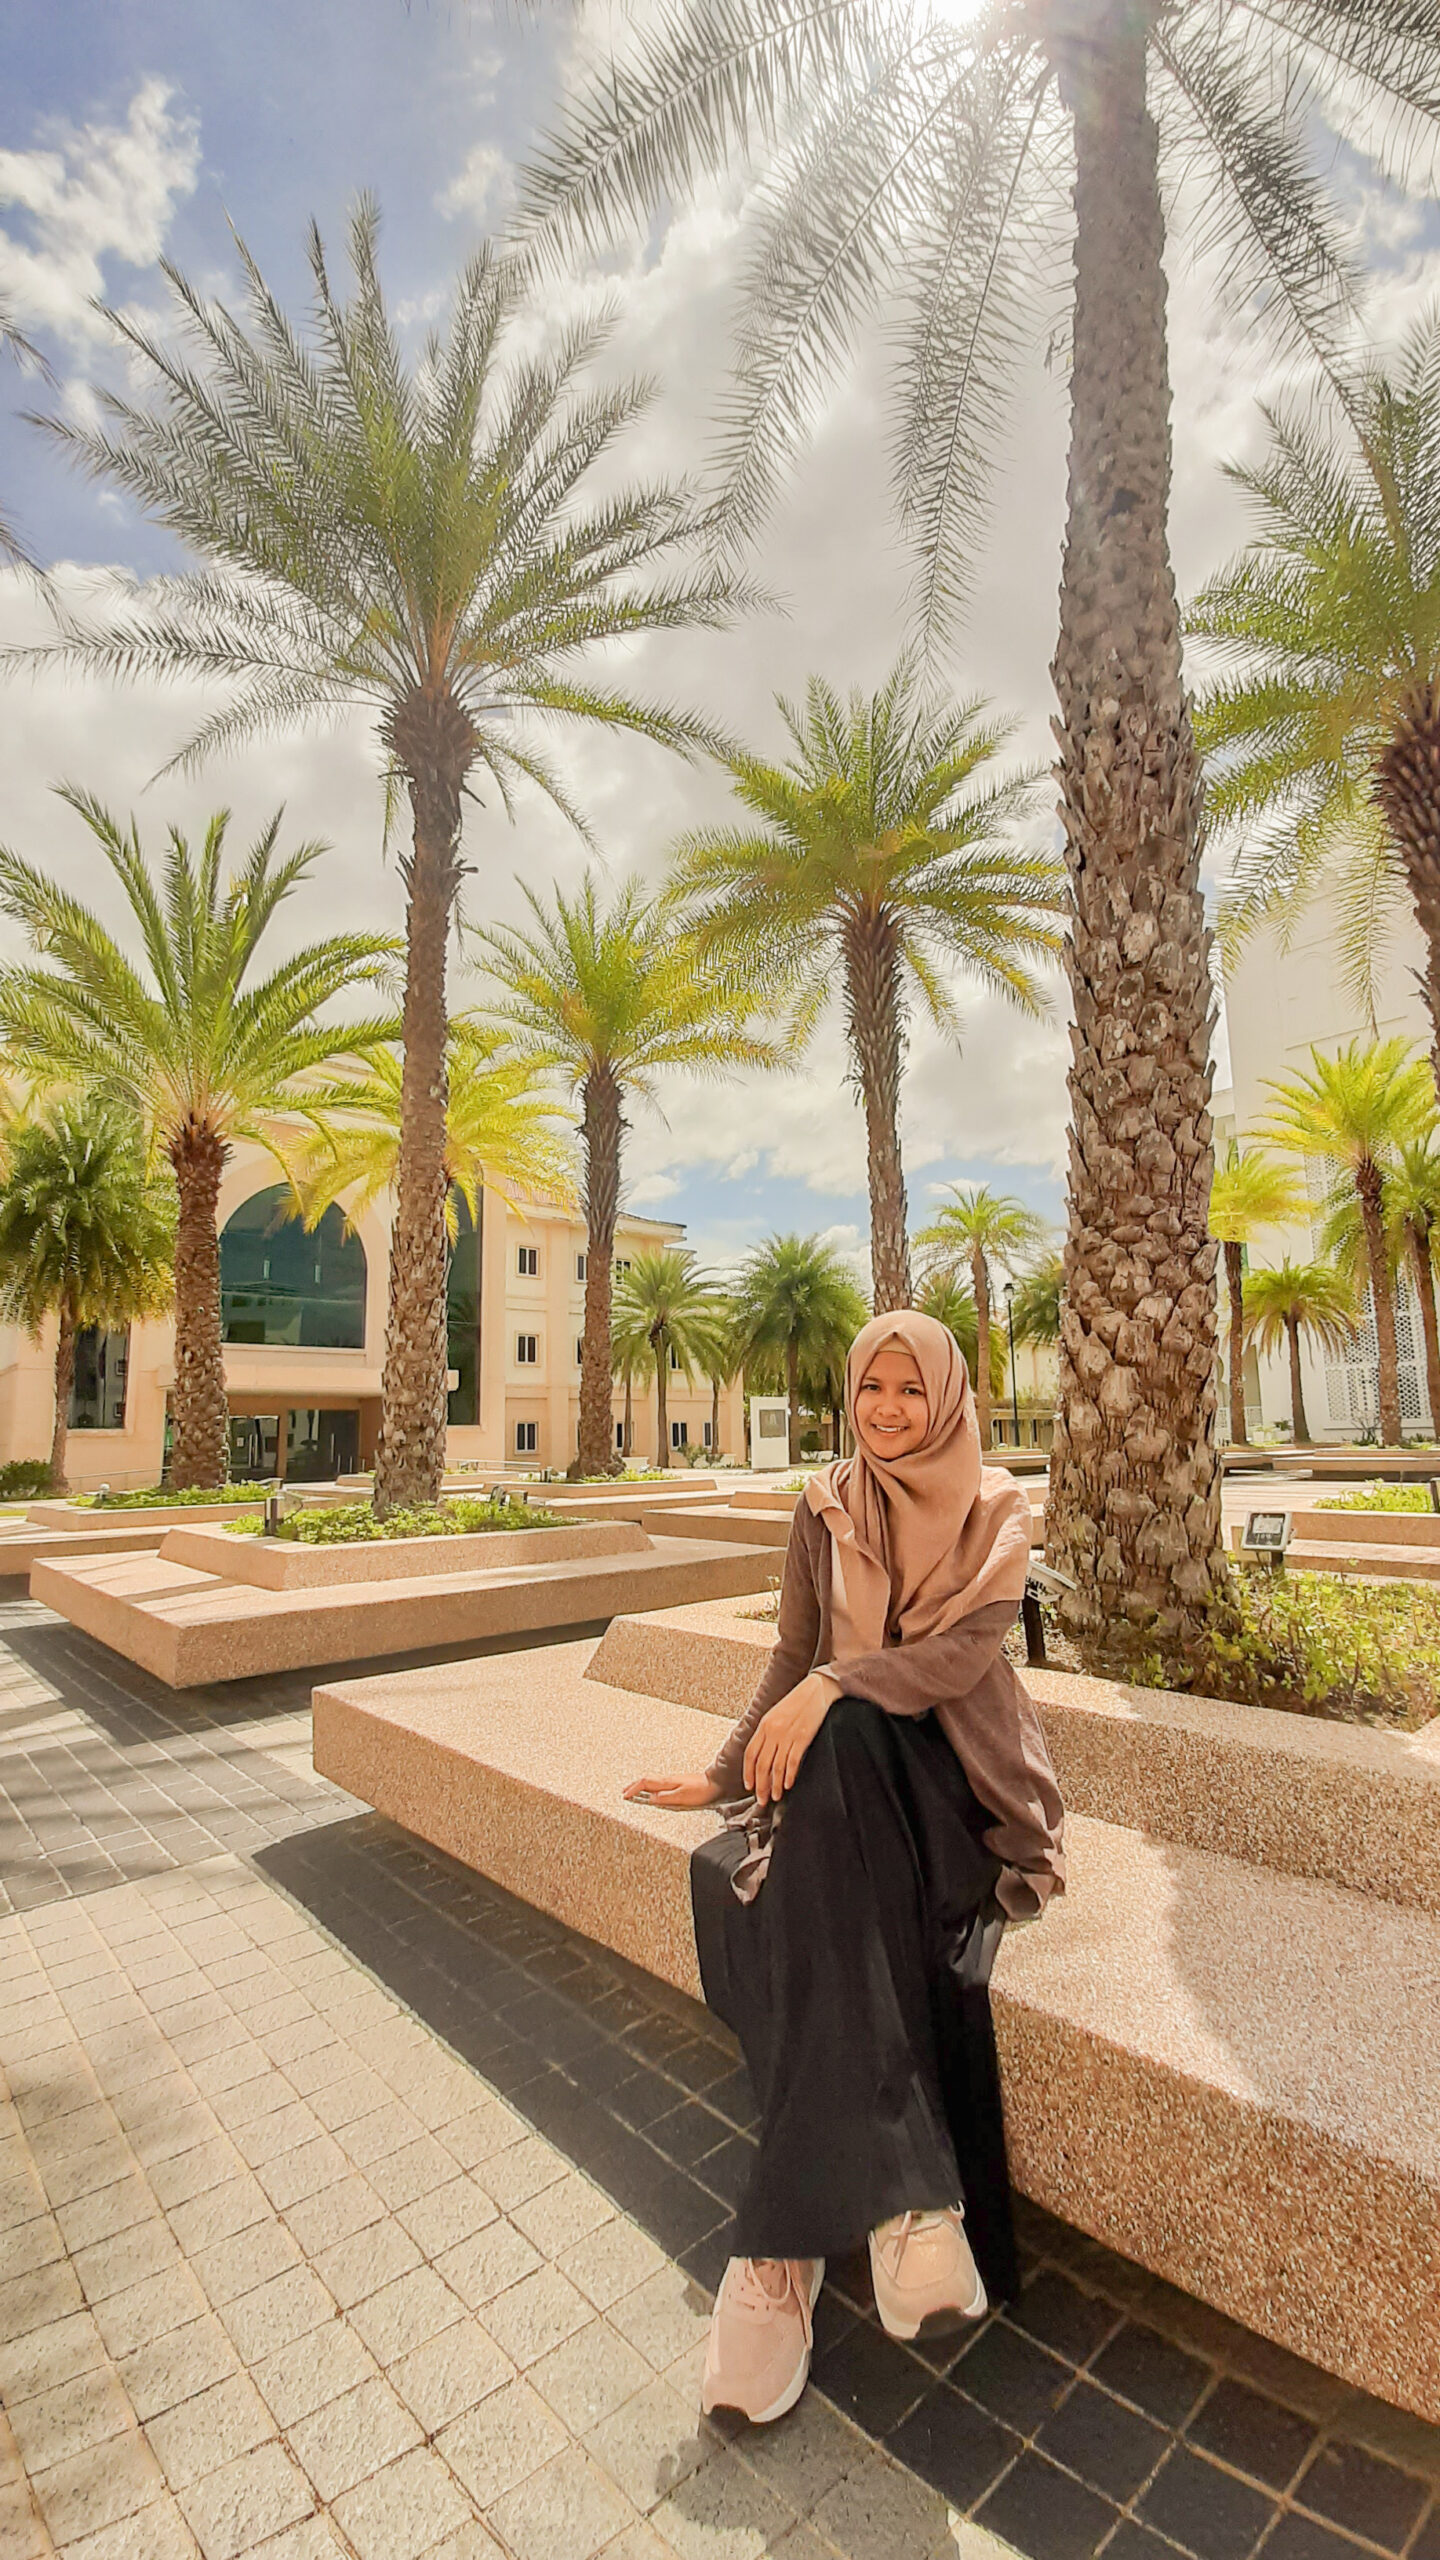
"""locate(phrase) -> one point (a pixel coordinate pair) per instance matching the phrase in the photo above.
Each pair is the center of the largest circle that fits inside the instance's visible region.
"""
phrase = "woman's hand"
(781, 1739)
(676, 1795)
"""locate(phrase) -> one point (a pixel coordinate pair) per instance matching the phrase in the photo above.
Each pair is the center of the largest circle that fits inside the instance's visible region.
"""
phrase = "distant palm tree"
(423, 537)
(667, 1313)
(975, 1229)
(1355, 1111)
(606, 994)
(1249, 1192)
(884, 860)
(1324, 746)
(1039, 1296)
(797, 1306)
(86, 1234)
(203, 1050)
(505, 1131)
(1412, 1202)
(1296, 1298)
(950, 1299)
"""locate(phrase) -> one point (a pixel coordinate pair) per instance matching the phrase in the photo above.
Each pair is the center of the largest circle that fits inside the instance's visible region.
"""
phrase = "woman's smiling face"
(892, 1413)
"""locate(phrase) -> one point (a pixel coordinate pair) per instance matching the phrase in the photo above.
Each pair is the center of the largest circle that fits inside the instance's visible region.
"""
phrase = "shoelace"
(910, 2224)
(757, 2296)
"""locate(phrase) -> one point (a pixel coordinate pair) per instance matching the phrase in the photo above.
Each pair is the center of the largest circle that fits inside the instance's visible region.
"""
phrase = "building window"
(621, 1267)
(707, 1434)
(97, 1398)
(527, 1261)
(679, 1435)
(279, 1285)
(462, 1312)
(620, 1437)
(674, 1357)
(527, 1349)
(526, 1439)
(580, 1351)
(581, 1265)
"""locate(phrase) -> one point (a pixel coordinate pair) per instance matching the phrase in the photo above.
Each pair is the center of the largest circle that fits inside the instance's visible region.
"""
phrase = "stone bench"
(1225, 2068)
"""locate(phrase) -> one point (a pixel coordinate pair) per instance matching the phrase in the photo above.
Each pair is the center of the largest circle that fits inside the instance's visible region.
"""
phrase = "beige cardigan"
(985, 1709)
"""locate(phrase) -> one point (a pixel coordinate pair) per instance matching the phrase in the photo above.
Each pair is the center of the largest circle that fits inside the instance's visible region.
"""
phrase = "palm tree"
(1296, 1298)
(883, 859)
(203, 1050)
(14, 343)
(975, 1229)
(1325, 745)
(1412, 1203)
(1249, 1192)
(914, 158)
(420, 538)
(505, 1131)
(1354, 1112)
(607, 995)
(667, 1314)
(1039, 1302)
(951, 1301)
(798, 1305)
(86, 1235)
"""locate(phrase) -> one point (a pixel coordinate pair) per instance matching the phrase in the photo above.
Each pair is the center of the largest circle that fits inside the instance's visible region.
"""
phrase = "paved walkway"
(349, 2207)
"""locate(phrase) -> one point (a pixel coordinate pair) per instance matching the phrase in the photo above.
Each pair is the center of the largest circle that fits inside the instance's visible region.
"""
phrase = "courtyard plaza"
(351, 2207)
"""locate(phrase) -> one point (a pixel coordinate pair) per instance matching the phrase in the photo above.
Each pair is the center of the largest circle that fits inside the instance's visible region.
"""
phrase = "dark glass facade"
(462, 1300)
(280, 1285)
(97, 1398)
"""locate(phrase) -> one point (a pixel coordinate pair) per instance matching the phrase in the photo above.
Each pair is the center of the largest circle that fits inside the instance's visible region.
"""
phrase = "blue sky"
(129, 128)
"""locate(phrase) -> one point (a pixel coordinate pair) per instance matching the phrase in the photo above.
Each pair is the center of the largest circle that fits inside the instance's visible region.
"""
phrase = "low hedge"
(165, 1497)
(1325, 1644)
(1379, 1497)
(351, 1523)
(25, 1479)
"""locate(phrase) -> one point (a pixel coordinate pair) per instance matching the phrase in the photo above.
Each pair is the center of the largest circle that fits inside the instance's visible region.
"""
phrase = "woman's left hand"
(783, 1736)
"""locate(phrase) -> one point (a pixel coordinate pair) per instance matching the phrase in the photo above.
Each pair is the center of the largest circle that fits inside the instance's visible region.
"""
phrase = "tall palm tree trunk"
(1235, 1290)
(1370, 1187)
(64, 1384)
(434, 744)
(1299, 1419)
(199, 1451)
(877, 1046)
(1423, 1266)
(715, 1417)
(980, 1383)
(662, 1399)
(792, 1397)
(1407, 788)
(602, 1130)
(627, 1427)
(1134, 1509)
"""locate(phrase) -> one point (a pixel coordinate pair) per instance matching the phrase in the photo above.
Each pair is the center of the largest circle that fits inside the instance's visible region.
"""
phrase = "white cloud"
(483, 188)
(85, 197)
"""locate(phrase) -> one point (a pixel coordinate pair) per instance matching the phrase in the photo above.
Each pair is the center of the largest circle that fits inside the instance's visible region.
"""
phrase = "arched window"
(280, 1285)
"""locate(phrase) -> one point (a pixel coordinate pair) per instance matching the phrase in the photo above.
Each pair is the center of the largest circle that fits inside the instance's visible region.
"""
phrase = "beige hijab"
(921, 1541)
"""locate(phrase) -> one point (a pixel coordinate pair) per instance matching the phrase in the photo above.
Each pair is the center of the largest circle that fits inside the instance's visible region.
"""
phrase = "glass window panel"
(279, 1285)
(97, 1398)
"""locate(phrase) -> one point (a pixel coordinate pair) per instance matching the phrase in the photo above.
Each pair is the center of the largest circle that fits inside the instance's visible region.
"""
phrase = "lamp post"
(1014, 1391)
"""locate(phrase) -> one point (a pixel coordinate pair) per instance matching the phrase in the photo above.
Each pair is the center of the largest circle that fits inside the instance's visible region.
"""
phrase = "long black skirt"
(858, 1984)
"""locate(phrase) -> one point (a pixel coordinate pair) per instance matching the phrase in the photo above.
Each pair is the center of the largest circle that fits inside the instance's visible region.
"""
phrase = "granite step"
(1230, 2075)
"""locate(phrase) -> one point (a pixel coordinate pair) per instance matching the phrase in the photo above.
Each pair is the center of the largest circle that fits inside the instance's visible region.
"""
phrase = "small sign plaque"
(1267, 1533)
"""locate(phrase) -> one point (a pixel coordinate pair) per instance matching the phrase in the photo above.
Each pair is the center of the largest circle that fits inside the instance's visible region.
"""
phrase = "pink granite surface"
(78, 1518)
(189, 1628)
(715, 1520)
(21, 1548)
(1369, 1528)
(281, 1564)
(1229, 2075)
(1346, 1804)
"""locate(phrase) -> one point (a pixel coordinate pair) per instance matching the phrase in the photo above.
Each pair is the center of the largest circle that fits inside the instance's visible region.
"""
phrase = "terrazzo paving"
(349, 2207)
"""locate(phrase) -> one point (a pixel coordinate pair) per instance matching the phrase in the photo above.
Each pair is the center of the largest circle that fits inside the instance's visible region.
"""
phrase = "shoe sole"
(931, 2324)
(791, 2393)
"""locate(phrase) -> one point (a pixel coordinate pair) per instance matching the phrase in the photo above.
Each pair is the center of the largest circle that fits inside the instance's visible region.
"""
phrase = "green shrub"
(25, 1479)
(164, 1497)
(1379, 1497)
(345, 1524)
(1324, 1644)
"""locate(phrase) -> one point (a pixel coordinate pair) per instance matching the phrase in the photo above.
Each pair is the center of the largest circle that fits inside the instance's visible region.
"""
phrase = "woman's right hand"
(674, 1795)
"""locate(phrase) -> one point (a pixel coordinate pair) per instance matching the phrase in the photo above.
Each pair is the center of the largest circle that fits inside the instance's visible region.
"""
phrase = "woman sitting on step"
(889, 1805)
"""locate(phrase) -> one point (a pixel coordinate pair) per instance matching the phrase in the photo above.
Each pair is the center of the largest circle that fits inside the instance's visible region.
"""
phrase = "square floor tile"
(1159, 2377)
(568, 2506)
(1348, 2486)
(1046, 2514)
(1070, 2322)
(871, 2377)
(1252, 2434)
(1206, 2510)
(347, 2439)
(1110, 2445)
(959, 2449)
(1016, 2380)
(450, 2373)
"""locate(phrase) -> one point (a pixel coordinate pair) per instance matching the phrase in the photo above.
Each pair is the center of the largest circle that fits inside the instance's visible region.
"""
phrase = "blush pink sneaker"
(757, 2360)
(925, 2278)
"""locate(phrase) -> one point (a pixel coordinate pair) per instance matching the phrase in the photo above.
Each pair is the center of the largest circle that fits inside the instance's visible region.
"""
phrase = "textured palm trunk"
(602, 1134)
(199, 1450)
(1423, 1266)
(1299, 1419)
(627, 1427)
(64, 1384)
(980, 1282)
(1407, 787)
(715, 1386)
(435, 745)
(1370, 1187)
(661, 1348)
(792, 1398)
(873, 1016)
(1134, 1508)
(1235, 1292)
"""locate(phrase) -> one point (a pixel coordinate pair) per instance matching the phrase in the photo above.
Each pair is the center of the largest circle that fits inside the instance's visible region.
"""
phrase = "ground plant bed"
(282, 1563)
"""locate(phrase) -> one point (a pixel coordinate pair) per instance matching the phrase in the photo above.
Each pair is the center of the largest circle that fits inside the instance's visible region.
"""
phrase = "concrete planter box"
(284, 1564)
(75, 1517)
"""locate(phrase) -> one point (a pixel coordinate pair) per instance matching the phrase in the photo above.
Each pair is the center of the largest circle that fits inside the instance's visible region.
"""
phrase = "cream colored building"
(1279, 1004)
(304, 1324)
